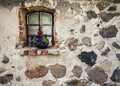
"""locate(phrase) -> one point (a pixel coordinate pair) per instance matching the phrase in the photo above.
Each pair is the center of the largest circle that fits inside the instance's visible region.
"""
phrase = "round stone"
(48, 83)
(72, 43)
(86, 41)
(101, 5)
(106, 65)
(109, 32)
(97, 75)
(116, 75)
(58, 71)
(100, 45)
(18, 79)
(38, 72)
(77, 71)
(5, 59)
(6, 78)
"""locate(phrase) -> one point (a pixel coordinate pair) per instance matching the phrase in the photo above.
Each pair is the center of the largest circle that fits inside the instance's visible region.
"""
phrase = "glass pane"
(33, 18)
(47, 30)
(32, 30)
(45, 18)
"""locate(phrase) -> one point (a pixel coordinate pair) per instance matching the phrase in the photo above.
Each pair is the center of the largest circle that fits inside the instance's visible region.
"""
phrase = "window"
(36, 20)
(33, 18)
(30, 20)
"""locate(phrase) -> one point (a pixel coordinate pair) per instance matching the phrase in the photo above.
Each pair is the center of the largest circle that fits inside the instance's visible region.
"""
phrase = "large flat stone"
(109, 32)
(58, 71)
(97, 75)
(38, 72)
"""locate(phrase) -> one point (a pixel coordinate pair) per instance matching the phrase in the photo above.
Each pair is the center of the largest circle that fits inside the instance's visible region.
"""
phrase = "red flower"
(40, 32)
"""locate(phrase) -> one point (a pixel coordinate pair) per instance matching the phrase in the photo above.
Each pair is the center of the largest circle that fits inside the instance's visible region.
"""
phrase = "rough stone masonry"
(88, 52)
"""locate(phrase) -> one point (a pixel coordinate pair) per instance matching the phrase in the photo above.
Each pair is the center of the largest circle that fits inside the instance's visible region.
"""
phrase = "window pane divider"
(37, 35)
(33, 24)
(39, 24)
(46, 24)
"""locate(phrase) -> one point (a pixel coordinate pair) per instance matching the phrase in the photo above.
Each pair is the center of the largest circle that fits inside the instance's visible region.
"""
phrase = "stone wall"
(89, 39)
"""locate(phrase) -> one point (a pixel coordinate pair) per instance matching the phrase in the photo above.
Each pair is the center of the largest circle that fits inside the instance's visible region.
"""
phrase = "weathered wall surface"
(89, 33)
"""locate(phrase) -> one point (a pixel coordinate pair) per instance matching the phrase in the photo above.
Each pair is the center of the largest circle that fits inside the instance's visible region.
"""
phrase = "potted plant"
(41, 41)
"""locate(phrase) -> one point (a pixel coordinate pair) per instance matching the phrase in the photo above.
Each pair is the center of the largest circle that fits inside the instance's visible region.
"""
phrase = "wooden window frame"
(52, 34)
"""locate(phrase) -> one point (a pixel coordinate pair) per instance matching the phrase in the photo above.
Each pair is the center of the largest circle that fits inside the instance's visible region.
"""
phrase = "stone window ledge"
(31, 51)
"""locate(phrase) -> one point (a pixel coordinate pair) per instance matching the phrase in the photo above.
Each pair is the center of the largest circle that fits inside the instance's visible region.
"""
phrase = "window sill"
(31, 51)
